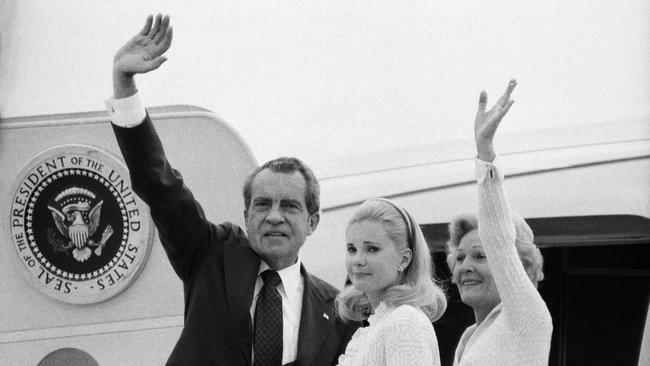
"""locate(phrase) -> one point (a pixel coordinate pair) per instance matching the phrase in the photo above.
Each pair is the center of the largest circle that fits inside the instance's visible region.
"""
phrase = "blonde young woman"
(390, 267)
(496, 266)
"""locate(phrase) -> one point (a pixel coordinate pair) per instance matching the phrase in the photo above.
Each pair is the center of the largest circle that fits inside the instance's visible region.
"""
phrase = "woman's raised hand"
(487, 122)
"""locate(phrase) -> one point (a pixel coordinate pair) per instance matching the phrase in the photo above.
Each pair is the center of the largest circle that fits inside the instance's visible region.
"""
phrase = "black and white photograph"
(353, 183)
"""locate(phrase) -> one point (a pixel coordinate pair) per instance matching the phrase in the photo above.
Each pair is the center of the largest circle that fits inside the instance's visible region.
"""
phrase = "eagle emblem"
(77, 222)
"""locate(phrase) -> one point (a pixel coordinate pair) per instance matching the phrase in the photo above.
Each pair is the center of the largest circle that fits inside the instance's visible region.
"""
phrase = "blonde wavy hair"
(530, 255)
(417, 285)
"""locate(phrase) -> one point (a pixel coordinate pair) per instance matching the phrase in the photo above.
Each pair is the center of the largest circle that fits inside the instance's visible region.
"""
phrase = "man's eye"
(373, 249)
(293, 207)
(261, 204)
(352, 250)
(460, 257)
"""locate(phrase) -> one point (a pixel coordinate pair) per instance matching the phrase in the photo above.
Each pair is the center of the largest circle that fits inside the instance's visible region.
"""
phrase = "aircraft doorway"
(596, 286)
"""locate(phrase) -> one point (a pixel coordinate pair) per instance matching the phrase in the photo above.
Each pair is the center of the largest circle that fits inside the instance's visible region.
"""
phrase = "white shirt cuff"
(126, 112)
(486, 170)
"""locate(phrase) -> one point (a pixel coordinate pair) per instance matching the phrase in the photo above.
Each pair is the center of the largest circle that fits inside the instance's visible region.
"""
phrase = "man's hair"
(288, 165)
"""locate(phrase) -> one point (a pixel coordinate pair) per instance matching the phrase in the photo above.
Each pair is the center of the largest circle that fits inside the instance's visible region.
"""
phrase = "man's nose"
(275, 215)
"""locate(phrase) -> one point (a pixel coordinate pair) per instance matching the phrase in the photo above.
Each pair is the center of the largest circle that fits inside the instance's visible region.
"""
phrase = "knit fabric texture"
(518, 331)
(401, 336)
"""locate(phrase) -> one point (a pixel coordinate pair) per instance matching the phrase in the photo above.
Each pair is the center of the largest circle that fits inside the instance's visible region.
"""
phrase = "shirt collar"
(290, 277)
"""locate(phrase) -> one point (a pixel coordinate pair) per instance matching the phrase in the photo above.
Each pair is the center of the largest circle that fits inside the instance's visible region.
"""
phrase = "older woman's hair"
(529, 254)
(416, 286)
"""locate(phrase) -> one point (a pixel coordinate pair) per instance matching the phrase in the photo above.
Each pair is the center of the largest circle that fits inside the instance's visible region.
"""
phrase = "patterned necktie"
(268, 322)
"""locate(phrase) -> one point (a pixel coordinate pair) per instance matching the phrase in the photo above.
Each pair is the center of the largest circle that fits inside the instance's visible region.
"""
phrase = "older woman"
(496, 266)
(389, 265)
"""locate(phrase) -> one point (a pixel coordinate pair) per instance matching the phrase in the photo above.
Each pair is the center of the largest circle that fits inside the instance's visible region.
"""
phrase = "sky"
(336, 79)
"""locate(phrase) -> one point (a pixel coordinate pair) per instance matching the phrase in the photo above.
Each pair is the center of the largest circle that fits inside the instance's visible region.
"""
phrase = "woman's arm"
(521, 301)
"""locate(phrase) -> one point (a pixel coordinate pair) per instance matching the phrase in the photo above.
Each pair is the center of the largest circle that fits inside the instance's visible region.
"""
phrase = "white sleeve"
(522, 303)
(486, 169)
(126, 112)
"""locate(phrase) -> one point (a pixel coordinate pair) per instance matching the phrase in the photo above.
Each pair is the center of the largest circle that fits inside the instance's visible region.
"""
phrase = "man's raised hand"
(141, 54)
(144, 52)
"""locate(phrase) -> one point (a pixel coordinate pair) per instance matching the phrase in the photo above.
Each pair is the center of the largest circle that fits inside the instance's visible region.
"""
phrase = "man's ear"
(314, 219)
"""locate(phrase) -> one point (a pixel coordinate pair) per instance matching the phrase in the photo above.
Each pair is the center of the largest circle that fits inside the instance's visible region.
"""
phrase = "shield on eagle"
(77, 216)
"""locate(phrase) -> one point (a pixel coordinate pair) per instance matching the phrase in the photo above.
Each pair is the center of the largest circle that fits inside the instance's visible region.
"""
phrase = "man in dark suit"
(240, 289)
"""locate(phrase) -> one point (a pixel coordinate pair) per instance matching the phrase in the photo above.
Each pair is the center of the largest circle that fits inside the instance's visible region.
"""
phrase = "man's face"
(277, 220)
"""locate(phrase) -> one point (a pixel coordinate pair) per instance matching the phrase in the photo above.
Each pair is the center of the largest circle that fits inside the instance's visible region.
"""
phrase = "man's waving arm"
(141, 54)
(179, 218)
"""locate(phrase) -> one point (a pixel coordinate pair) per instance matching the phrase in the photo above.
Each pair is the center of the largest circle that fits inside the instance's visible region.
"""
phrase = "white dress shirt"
(291, 290)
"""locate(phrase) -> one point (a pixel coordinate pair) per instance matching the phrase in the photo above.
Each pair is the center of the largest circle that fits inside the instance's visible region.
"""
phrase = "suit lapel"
(241, 265)
(316, 321)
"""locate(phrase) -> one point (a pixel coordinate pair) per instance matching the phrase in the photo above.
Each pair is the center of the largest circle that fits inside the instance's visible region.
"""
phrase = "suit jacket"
(219, 269)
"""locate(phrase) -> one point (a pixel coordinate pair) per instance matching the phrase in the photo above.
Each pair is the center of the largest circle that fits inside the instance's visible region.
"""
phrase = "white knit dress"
(402, 336)
(517, 331)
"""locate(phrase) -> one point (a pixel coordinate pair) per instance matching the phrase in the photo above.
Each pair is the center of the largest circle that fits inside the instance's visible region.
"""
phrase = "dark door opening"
(596, 286)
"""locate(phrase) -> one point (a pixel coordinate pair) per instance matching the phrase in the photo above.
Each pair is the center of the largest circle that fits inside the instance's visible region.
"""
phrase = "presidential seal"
(78, 228)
